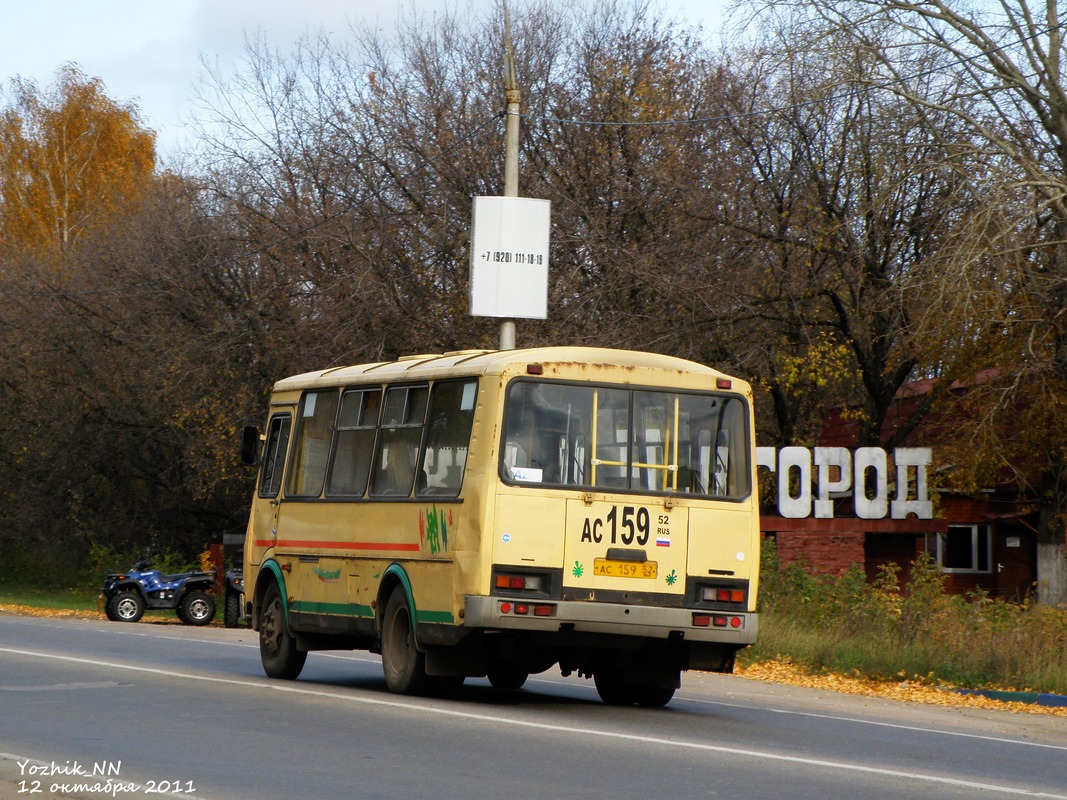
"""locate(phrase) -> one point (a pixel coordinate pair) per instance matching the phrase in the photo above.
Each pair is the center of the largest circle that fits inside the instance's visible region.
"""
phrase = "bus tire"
(508, 677)
(404, 666)
(277, 648)
(653, 696)
(612, 688)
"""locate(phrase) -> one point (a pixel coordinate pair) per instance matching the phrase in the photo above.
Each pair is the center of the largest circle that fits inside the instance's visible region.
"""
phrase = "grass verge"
(882, 630)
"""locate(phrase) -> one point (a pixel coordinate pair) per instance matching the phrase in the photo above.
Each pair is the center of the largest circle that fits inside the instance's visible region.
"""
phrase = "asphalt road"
(182, 712)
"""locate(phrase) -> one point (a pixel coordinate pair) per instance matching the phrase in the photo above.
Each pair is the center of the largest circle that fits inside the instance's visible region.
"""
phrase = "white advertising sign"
(509, 257)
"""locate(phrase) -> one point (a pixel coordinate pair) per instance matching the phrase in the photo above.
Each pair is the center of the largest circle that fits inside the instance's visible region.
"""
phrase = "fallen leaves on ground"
(785, 671)
(74, 613)
(33, 611)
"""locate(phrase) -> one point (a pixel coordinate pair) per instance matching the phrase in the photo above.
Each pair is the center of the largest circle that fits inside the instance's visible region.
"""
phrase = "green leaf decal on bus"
(433, 529)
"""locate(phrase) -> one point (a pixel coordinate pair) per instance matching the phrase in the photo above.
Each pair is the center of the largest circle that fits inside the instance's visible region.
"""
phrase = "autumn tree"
(120, 342)
(373, 147)
(70, 158)
(1002, 69)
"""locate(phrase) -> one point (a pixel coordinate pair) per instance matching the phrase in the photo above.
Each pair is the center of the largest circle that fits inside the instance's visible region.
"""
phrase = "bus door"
(303, 520)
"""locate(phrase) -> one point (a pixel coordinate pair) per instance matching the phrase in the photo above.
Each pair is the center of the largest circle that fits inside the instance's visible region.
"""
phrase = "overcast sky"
(148, 51)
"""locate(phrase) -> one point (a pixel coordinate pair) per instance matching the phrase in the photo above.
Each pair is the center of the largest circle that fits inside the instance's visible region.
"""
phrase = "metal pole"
(511, 151)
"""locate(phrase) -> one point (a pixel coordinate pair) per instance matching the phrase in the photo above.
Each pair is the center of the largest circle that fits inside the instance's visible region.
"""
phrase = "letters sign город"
(840, 471)
(509, 257)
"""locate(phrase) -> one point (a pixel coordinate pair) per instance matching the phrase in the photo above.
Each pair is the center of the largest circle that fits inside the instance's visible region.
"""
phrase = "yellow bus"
(496, 513)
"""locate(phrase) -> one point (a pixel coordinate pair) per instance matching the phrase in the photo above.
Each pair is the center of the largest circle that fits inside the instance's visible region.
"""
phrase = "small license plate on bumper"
(611, 568)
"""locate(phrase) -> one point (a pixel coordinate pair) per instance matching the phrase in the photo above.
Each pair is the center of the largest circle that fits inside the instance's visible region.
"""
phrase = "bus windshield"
(623, 438)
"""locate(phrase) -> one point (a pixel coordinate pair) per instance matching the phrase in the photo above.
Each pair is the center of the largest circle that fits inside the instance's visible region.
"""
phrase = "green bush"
(884, 629)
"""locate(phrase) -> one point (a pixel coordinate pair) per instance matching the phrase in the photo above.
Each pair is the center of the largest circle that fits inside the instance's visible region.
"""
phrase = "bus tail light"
(527, 609)
(519, 583)
(720, 595)
(701, 620)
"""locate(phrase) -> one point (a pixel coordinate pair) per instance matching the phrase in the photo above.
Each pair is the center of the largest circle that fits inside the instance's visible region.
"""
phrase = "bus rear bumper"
(500, 613)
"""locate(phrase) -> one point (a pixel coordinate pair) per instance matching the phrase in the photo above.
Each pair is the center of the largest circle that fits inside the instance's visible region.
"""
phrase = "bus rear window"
(610, 437)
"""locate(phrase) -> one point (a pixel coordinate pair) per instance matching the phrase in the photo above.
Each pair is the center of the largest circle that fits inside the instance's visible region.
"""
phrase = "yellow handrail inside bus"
(670, 450)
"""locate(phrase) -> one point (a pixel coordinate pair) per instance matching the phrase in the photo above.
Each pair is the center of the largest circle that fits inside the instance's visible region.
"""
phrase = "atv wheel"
(277, 648)
(197, 608)
(126, 606)
(231, 613)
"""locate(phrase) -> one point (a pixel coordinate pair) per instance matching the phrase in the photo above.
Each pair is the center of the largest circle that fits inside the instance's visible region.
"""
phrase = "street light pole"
(511, 150)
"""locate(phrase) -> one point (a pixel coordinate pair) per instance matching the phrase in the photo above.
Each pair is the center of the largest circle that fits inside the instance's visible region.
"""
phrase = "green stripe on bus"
(358, 610)
(440, 617)
(339, 609)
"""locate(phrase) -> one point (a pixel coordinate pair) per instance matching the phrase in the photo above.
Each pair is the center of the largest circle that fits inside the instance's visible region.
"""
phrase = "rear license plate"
(624, 569)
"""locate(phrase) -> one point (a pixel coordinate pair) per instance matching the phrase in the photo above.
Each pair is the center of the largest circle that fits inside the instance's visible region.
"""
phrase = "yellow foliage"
(915, 689)
(822, 365)
(69, 161)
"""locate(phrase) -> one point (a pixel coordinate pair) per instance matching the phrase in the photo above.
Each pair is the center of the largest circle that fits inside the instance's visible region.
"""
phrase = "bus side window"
(447, 439)
(270, 478)
(311, 444)
(403, 415)
(354, 443)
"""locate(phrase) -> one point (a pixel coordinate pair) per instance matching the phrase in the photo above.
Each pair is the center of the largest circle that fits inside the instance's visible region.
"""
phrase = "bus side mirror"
(250, 446)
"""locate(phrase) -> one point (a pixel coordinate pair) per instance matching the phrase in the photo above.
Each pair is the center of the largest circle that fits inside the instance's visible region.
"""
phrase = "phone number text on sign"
(505, 257)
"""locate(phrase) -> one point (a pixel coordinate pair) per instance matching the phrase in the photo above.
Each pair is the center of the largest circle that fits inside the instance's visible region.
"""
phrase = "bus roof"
(498, 362)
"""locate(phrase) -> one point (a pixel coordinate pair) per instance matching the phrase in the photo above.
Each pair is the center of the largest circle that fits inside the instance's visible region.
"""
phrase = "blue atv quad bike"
(127, 595)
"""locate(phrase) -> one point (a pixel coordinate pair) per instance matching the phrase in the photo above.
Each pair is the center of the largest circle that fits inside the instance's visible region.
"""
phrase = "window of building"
(963, 548)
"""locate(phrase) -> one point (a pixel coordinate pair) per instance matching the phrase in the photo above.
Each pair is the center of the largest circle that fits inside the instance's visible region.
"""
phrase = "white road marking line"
(897, 725)
(289, 688)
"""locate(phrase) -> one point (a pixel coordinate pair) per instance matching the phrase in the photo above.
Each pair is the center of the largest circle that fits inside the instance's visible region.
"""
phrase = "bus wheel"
(612, 688)
(507, 676)
(653, 696)
(277, 649)
(403, 664)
